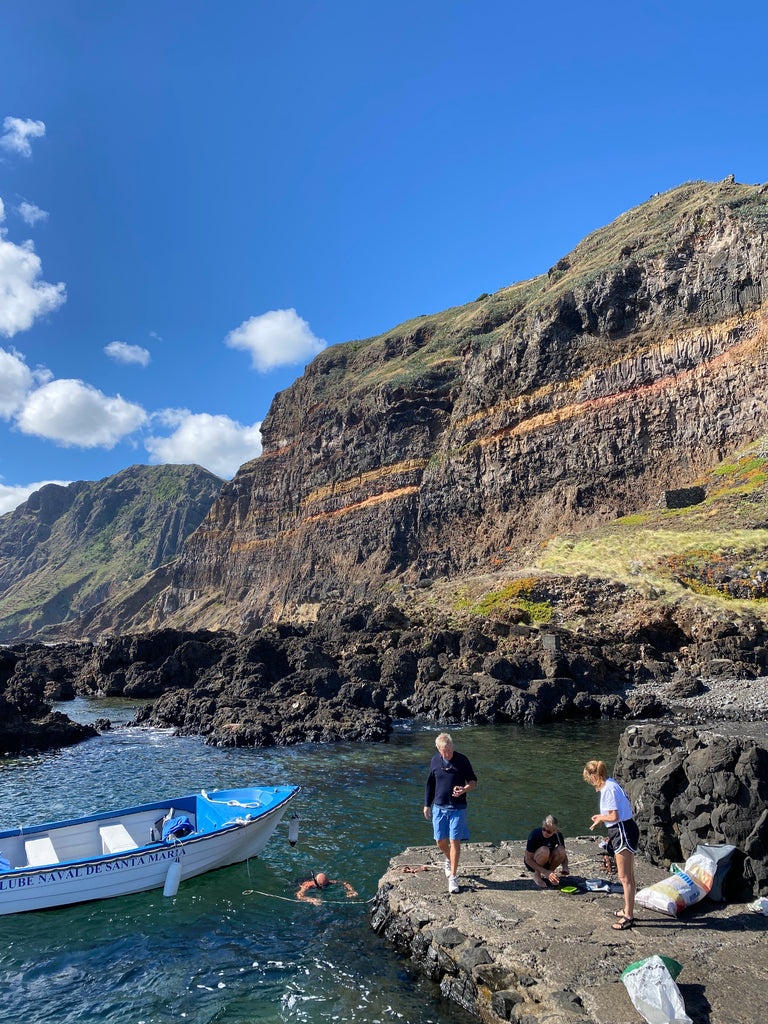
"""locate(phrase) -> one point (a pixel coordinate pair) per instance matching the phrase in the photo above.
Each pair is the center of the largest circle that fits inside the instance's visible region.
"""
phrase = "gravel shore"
(742, 702)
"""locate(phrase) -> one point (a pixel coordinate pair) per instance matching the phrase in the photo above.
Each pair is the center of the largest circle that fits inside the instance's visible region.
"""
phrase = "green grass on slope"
(717, 550)
(667, 220)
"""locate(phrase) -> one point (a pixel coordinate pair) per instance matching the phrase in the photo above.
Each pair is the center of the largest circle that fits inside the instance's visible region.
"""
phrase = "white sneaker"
(447, 868)
(453, 884)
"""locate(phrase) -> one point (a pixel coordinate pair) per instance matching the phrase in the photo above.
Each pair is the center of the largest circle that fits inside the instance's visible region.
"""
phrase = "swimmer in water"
(320, 881)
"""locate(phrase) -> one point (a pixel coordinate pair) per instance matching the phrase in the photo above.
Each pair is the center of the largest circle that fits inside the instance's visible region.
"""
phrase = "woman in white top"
(623, 834)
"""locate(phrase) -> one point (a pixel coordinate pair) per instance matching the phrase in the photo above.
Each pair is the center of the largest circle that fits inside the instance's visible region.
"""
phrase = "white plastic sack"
(654, 993)
(680, 890)
(722, 854)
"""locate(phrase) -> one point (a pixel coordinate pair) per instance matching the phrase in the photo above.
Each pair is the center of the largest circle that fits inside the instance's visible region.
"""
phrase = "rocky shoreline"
(694, 759)
(700, 785)
(27, 722)
(351, 673)
(507, 951)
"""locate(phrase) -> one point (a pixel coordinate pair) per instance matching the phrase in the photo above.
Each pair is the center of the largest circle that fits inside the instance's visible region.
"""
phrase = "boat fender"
(293, 829)
(172, 879)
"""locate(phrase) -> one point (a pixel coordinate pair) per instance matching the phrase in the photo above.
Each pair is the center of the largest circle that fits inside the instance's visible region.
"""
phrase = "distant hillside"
(66, 549)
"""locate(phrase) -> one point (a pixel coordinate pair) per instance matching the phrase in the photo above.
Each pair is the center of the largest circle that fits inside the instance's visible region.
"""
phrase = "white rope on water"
(291, 899)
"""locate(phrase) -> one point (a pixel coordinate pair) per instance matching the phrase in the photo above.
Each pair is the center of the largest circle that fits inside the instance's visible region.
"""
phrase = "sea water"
(233, 946)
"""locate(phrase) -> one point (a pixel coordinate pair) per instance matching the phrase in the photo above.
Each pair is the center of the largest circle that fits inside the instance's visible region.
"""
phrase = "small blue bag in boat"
(177, 828)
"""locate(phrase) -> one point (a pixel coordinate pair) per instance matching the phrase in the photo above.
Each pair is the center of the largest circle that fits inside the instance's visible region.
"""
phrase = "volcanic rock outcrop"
(636, 363)
(26, 719)
(355, 670)
(691, 786)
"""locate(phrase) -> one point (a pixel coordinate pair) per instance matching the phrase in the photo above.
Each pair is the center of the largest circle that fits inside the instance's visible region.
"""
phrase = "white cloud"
(18, 132)
(75, 414)
(276, 338)
(218, 443)
(124, 353)
(2, 211)
(23, 296)
(31, 214)
(11, 496)
(16, 381)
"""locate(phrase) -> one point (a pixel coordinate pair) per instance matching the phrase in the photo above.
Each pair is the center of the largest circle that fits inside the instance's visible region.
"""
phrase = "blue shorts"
(450, 822)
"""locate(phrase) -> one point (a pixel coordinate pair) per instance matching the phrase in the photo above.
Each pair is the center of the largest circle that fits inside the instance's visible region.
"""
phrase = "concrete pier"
(509, 951)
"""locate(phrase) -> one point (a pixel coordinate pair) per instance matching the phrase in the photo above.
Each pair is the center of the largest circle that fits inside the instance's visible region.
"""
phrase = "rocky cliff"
(692, 785)
(66, 549)
(637, 362)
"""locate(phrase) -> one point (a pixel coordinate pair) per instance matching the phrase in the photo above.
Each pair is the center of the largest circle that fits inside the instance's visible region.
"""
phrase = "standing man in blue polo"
(450, 779)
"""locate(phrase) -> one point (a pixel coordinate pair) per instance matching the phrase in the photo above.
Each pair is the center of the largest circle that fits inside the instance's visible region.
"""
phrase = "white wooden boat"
(121, 852)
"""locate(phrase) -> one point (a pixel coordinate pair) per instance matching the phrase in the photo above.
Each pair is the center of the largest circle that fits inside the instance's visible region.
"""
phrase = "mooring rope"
(291, 899)
(232, 803)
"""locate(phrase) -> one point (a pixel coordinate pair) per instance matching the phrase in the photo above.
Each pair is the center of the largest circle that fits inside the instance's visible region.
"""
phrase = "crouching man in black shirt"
(544, 852)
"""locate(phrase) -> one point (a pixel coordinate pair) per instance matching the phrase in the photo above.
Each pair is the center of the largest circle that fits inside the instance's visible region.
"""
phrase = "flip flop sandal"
(624, 924)
(621, 915)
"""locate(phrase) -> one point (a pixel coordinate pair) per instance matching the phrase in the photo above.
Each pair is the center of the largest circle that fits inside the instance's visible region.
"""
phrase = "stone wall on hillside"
(695, 785)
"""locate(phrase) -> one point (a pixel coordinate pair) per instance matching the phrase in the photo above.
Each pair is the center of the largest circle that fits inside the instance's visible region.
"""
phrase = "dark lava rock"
(26, 720)
(685, 686)
(357, 668)
(694, 785)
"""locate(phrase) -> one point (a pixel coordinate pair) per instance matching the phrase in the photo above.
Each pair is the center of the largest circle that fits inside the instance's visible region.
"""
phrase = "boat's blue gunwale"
(138, 851)
(30, 830)
(157, 805)
(150, 847)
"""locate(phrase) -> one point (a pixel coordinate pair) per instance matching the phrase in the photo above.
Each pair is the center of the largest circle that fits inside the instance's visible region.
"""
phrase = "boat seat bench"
(40, 851)
(116, 839)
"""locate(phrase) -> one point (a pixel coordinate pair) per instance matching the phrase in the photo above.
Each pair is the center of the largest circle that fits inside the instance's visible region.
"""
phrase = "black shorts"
(623, 837)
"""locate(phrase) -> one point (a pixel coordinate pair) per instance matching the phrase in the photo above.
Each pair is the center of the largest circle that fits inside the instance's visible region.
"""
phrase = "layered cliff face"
(636, 363)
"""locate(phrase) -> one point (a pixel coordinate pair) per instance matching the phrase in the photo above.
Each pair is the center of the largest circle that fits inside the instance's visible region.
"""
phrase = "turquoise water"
(222, 952)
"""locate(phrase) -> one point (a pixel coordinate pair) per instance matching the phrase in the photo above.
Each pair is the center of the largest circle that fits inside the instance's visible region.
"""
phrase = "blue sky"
(198, 196)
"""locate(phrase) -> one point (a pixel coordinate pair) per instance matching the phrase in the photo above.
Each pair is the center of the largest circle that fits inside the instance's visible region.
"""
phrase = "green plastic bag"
(672, 966)
(652, 989)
